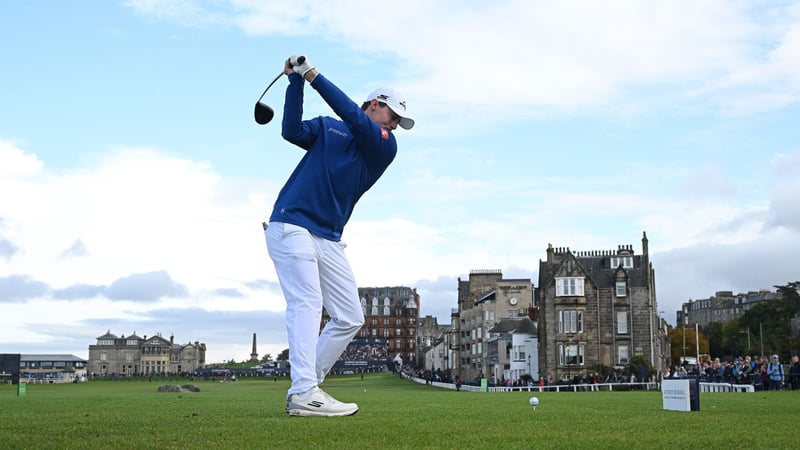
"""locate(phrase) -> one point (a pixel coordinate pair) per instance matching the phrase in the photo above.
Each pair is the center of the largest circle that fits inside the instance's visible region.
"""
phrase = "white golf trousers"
(314, 272)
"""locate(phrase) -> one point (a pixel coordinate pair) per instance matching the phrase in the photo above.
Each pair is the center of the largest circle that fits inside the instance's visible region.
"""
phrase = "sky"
(134, 180)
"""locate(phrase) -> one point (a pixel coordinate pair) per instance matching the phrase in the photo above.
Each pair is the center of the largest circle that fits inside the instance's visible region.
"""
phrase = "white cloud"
(532, 55)
(15, 163)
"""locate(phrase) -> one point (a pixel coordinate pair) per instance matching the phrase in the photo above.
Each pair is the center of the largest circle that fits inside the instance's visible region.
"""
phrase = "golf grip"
(300, 60)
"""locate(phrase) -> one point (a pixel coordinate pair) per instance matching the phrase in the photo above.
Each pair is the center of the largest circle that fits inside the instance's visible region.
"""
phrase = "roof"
(488, 295)
(108, 335)
(598, 269)
(50, 357)
(523, 325)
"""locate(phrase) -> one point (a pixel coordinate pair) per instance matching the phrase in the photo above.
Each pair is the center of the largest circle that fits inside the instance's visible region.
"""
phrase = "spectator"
(775, 373)
(794, 373)
(717, 371)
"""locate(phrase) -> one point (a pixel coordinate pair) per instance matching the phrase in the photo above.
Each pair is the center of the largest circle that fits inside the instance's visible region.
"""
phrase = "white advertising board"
(675, 395)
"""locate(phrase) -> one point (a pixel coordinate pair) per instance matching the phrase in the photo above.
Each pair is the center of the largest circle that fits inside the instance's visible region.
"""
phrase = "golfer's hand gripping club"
(300, 65)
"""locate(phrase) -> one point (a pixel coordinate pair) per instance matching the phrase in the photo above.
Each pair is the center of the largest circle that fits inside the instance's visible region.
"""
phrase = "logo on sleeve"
(384, 133)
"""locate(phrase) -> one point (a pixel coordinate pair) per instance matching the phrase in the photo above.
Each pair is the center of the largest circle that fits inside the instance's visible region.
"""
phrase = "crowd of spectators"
(358, 351)
(762, 373)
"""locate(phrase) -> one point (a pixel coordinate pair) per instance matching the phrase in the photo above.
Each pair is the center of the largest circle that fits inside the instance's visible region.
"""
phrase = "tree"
(676, 337)
(266, 358)
(284, 355)
(714, 334)
(764, 328)
(770, 322)
(734, 340)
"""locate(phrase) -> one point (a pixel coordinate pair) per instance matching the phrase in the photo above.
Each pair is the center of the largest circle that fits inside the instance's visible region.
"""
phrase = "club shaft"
(270, 85)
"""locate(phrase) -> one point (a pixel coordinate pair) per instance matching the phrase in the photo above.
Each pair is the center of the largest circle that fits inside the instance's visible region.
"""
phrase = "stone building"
(598, 309)
(513, 350)
(722, 307)
(134, 355)
(431, 343)
(483, 301)
(391, 314)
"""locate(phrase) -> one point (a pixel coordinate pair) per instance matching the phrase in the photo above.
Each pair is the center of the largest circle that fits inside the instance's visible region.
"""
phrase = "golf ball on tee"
(534, 401)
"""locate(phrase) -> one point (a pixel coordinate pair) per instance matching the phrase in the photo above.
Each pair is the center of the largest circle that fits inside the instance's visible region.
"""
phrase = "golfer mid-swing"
(344, 157)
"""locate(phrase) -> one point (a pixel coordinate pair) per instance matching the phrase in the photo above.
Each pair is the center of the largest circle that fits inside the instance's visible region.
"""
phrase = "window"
(626, 261)
(623, 354)
(622, 322)
(569, 286)
(570, 321)
(571, 354)
(622, 289)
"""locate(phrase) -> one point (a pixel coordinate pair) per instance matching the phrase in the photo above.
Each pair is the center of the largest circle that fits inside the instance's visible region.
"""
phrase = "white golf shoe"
(317, 403)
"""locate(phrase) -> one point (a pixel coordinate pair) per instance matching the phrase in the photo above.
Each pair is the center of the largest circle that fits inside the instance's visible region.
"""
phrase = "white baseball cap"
(395, 101)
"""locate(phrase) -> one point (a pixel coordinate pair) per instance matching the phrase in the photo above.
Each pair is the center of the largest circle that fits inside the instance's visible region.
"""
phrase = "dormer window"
(569, 286)
(626, 261)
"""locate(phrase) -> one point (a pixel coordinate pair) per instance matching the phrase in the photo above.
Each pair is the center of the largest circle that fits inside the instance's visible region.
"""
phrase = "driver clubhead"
(263, 113)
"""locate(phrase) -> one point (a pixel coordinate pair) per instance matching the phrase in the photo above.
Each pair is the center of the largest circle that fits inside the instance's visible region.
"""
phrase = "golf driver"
(263, 112)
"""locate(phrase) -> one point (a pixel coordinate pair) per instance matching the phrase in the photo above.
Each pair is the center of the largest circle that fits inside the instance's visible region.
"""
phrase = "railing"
(551, 388)
(44, 380)
(726, 387)
(592, 387)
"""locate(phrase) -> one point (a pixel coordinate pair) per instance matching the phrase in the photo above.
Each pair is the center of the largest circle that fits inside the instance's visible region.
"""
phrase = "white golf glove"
(300, 68)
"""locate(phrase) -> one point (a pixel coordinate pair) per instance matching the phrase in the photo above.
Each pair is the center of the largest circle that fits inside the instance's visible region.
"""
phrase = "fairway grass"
(394, 413)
